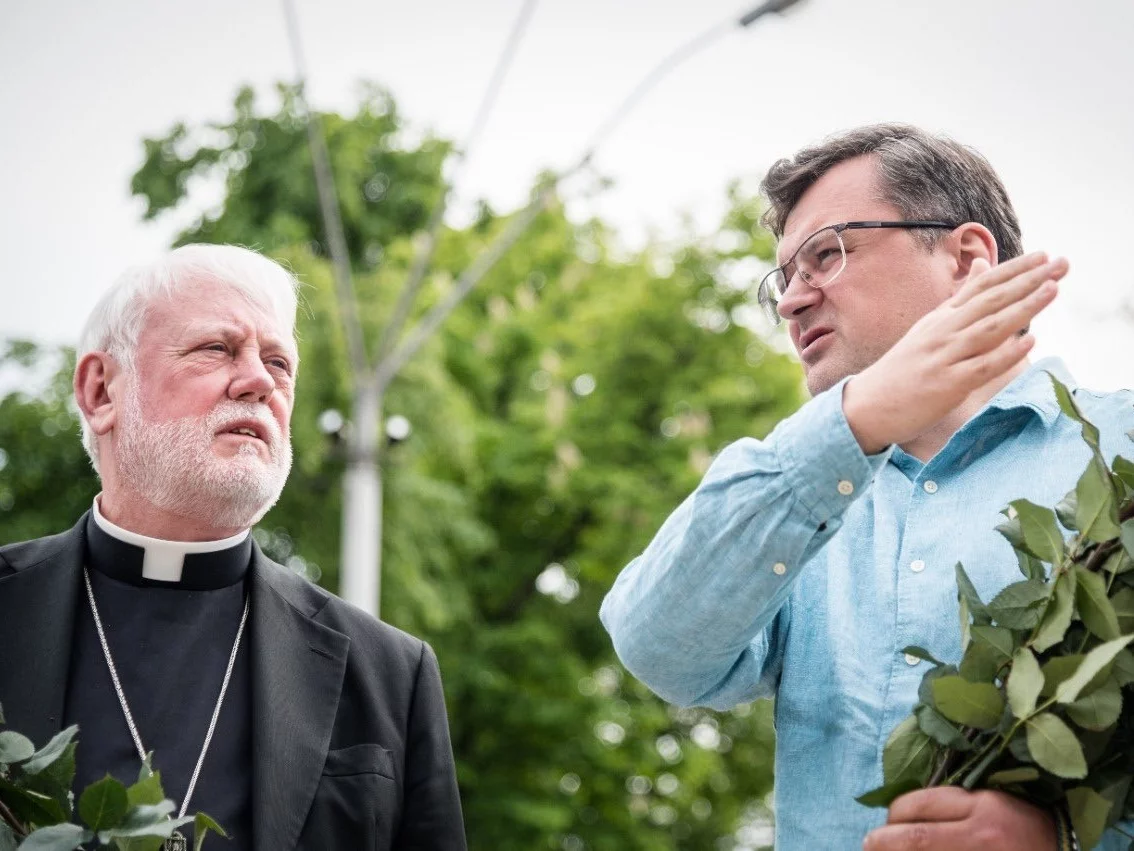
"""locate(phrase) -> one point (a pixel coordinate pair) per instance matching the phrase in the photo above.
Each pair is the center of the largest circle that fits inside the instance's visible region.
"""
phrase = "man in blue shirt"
(805, 562)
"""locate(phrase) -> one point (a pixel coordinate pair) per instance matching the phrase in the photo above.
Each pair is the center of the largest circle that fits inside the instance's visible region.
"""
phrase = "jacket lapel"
(37, 617)
(297, 675)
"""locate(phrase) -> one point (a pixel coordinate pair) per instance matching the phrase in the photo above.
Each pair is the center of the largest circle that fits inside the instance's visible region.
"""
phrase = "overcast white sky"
(1041, 88)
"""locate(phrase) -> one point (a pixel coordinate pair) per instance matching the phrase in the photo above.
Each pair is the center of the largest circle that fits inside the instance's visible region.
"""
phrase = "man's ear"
(94, 374)
(969, 242)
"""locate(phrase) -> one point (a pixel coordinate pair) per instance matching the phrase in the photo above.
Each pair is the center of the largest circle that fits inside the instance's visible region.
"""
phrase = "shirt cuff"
(821, 459)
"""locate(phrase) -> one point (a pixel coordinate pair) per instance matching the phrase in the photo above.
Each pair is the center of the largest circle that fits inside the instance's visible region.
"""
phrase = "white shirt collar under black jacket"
(141, 560)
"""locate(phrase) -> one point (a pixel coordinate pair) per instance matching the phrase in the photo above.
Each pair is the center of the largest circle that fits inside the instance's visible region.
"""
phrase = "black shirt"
(170, 642)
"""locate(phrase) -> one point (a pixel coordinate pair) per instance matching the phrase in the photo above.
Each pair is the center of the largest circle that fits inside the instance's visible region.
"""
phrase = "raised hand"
(962, 345)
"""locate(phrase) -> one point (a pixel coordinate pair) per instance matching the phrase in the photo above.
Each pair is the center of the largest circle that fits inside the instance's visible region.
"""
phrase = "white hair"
(115, 324)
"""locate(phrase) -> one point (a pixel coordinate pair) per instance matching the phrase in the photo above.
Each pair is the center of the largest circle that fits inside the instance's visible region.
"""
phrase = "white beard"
(172, 464)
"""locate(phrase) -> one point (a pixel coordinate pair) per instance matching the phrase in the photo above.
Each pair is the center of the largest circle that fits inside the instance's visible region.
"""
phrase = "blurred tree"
(567, 406)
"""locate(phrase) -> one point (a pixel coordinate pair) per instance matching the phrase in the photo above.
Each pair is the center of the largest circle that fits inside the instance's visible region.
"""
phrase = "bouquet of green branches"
(1035, 707)
(37, 805)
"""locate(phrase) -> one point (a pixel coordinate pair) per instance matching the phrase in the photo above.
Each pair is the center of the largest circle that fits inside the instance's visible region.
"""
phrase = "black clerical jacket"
(350, 744)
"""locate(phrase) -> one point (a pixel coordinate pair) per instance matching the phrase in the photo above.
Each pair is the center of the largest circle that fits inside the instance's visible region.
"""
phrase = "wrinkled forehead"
(207, 302)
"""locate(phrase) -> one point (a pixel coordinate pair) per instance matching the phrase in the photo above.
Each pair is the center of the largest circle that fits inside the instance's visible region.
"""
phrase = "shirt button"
(911, 660)
(917, 565)
(846, 488)
(930, 486)
(779, 568)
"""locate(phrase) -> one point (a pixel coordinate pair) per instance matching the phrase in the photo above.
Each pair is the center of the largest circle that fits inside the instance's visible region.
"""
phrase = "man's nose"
(252, 382)
(798, 298)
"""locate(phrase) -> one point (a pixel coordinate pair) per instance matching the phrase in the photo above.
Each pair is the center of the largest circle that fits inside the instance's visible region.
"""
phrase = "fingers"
(982, 277)
(996, 313)
(989, 332)
(919, 836)
(944, 803)
(986, 366)
(993, 298)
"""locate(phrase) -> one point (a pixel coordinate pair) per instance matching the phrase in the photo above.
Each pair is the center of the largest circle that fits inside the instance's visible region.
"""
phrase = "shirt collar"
(1033, 389)
(141, 560)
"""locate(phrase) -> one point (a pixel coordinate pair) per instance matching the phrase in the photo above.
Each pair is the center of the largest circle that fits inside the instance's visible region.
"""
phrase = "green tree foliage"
(561, 413)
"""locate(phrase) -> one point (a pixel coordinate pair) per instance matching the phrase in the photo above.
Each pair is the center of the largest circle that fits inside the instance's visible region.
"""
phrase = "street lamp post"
(360, 568)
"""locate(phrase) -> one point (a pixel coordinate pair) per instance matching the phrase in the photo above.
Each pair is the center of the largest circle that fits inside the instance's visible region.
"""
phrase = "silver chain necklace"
(176, 841)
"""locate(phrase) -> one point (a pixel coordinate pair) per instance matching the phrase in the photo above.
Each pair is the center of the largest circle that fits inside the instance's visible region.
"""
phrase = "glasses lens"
(768, 295)
(821, 258)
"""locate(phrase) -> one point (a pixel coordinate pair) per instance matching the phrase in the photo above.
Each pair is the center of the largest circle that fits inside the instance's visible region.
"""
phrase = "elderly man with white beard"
(158, 626)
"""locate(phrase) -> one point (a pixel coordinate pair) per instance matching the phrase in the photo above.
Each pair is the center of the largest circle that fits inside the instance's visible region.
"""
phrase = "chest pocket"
(357, 804)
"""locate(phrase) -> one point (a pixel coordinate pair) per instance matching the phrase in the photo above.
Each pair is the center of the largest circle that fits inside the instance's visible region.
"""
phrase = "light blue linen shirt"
(801, 567)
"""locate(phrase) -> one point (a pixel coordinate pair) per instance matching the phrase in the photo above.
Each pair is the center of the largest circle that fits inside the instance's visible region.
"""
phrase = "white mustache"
(233, 411)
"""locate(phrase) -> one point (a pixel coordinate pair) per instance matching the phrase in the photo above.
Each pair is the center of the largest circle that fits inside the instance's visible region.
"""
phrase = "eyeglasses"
(819, 260)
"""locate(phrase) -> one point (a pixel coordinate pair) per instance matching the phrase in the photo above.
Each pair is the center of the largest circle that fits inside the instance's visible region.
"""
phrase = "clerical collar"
(188, 565)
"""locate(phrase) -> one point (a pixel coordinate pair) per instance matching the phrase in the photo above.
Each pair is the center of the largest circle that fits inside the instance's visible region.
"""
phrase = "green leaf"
(990, 647)
(1094, 664)
(908, 754)
(1038, 525)
(202, 824)
(1118, 562)
(1025, 681)
(1023, 774)
(1123, 603)
(968, 594)
(1012, 531)
(1126, 534)
(51, 751)
(971, 704)
(1057, 616)
(1070, 408)
(1094, 606)
(57, 837)
(139, 843)
(146, 768)
(1095, 513)
(34, 808)
(14, 747)
(1054, 747)
(1124, 469)
(921, 653)
(2, 721)
(925, 689)
(146, 791)
(997, 638)
(1030, 566)
(885, 795)
(1066, 509)
(145, 821)
(1018, 747)
(1088, 811)
(56, 779)
(103, 804)
(1099, 709)
(940, 729)
(1020, 605)
(1124, 668)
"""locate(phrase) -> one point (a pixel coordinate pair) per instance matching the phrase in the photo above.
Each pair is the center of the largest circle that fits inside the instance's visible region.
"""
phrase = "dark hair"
(926, 177)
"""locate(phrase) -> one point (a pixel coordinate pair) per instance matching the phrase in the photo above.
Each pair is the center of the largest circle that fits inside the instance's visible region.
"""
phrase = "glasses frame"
(770, 303)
